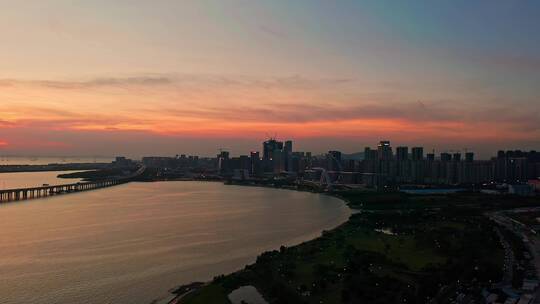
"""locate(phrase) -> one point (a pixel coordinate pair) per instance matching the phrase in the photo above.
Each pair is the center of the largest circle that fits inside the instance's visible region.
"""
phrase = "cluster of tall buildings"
(170, 162)
(180, 164)
(376, 167)
(382, 166)
(277, 157)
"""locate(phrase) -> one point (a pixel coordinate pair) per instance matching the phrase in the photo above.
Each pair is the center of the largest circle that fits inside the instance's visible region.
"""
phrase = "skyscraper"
(384, 150)
(255, 163)
(402, 153)
(223, 162)
(446, 156)
(417, 153)
(370, 154)
(287, 155)
(270, 147)
(334, 160)
(288, 146)
(278, 160)
(417, 168)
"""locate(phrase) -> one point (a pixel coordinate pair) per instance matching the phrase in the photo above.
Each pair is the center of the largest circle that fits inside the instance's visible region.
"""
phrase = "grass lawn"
(430, 249)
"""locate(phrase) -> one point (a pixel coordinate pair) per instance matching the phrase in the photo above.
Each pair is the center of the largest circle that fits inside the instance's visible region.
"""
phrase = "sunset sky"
(170, 77)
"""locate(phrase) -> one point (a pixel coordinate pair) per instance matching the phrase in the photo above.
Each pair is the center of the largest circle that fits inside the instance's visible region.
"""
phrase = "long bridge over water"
(9, 195)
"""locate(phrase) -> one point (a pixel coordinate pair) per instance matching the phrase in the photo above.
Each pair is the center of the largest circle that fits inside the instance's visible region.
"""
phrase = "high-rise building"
(417, 153)
(403, 166)
(402, 153)
(278, 160)
(255, 163)
(430, 156)
(469, 157)
(223, 162)
(288, 146)
(273, 156)
(370, 154)
(299, 162)
(456, 157)
(270, 146)
(244, 162)
(446, 157)
(308, 161)
(384, 150)
(287, 155)
(334, 161)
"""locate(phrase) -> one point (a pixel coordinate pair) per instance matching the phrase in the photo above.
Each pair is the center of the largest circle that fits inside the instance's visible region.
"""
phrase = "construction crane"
(270, 136)
(221, 150)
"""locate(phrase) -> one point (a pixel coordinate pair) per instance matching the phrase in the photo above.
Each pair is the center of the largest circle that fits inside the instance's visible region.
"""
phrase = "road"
(524, 233)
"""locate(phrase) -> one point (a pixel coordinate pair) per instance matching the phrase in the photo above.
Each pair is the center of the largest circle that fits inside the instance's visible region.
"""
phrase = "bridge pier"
(9, 195)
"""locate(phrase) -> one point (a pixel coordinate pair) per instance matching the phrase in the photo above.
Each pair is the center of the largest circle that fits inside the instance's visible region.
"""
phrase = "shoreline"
(353, 204)
(411, 258)
(300, 220)
(52, 167)
(181, 291)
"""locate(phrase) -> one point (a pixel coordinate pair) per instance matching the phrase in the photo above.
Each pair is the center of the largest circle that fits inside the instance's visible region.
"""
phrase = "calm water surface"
(132, 243)
(33, 179)
(45, 160)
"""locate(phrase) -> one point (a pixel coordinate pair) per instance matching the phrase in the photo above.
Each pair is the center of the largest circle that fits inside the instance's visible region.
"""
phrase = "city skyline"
(359, 153)
(378, 167)
(135, 78)
(270, 151)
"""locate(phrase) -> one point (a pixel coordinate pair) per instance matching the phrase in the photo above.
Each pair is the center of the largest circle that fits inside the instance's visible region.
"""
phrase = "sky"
(190, 77)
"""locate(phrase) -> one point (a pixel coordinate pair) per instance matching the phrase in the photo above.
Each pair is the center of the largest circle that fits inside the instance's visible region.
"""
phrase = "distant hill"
(354, 156)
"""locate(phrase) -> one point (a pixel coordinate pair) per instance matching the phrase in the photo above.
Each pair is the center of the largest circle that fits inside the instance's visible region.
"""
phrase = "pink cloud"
(76, 117)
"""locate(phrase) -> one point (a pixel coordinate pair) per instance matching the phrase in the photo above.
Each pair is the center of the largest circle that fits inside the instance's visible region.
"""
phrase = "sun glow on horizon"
(329, 75)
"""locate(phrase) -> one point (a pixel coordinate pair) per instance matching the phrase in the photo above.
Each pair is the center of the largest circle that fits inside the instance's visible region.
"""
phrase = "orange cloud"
(212, 128)
(245, 108)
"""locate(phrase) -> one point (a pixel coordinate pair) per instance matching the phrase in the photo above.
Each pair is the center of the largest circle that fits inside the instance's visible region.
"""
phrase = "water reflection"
(131, 243)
